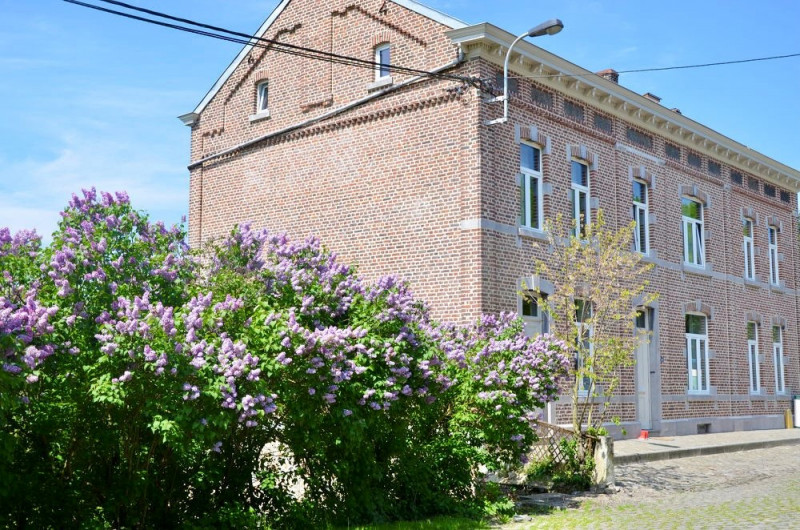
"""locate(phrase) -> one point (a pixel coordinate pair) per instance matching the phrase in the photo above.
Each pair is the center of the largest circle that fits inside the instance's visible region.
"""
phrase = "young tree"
(599, 286)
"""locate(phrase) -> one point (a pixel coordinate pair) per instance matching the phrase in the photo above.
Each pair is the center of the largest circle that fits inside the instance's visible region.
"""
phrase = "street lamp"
(551, 27)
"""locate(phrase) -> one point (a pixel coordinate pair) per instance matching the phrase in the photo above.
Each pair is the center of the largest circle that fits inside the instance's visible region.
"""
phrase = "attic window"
(672, 151)
(383, 61)
(694, 160)
(573, 111)
(541, 98)
(769, 190)
(785, 197)
(737, 177)
(714, 168)
(603, 123)
(639, 138)
(262, 100)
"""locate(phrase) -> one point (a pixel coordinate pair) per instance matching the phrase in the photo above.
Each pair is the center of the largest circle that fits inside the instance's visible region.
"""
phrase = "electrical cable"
(260, 42)
(665, 68)
(310, 53)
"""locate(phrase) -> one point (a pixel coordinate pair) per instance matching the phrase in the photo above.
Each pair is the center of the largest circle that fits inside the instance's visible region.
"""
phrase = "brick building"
(397, 171)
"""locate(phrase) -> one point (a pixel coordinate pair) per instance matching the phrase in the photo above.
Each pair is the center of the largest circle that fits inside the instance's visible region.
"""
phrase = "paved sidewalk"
(665, 448)
(743, 490)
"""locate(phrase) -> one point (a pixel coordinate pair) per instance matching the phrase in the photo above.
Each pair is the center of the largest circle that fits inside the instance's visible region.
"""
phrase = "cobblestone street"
(749, 489)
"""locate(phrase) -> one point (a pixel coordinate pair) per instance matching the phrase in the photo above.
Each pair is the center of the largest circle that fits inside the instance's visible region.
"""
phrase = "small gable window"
(383, 61)
(262, 99)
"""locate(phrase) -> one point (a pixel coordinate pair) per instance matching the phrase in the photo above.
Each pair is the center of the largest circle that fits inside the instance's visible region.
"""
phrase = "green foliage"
(258, 383)
(572, 473)
(599, 285)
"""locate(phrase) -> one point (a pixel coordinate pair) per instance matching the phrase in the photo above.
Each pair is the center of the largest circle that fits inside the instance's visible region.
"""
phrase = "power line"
(310, 53)
(259, 42)
(664, 68)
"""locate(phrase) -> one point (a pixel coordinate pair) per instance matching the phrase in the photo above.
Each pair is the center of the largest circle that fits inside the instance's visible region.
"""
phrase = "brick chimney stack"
(652, 97)
(610, 74)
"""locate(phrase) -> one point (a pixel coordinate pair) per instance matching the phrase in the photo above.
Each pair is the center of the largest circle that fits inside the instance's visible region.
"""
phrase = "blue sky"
(89, 99)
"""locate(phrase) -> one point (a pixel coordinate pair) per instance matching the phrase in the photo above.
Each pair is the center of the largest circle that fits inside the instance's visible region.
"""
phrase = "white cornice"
(412, 5)
(490, 42)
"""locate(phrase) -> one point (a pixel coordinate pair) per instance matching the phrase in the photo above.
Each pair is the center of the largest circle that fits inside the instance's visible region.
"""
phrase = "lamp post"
(551, 27)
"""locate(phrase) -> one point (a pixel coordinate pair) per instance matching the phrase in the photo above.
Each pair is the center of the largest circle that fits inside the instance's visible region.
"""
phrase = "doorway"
(645, 367)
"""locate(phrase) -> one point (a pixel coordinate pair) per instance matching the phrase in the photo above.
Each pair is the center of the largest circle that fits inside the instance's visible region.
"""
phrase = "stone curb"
(701, 451)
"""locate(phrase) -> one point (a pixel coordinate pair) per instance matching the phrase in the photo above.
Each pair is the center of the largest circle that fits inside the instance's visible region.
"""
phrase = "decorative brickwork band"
(698, 307)
(535, 283)
(581, 152)
(531, 134)
(381, 37)
(752, 316)
(259, 76)
(774, 221)
(692, 191)
(779, 321)
(641, 173)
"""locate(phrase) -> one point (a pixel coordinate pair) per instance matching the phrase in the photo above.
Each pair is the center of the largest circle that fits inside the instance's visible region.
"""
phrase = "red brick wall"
(508, 257)
(388, 184)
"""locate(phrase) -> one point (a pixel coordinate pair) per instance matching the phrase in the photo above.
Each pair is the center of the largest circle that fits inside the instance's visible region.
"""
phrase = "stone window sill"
(380, 83)
(694, 269)
(525, 231)
(263, 115)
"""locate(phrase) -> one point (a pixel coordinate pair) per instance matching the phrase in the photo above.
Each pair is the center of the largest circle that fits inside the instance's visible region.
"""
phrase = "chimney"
(652, 97)
(609, 74)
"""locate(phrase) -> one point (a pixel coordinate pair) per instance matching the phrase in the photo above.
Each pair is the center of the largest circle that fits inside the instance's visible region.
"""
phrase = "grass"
(435, 523)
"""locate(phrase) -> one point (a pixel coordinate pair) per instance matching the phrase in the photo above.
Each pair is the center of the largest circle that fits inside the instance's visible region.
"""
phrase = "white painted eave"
(412, 5)
(600, 87)
(433, 14)
(189, 119)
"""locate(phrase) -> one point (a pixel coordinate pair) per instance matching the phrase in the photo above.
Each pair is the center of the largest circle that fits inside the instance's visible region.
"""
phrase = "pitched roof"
(441, 18)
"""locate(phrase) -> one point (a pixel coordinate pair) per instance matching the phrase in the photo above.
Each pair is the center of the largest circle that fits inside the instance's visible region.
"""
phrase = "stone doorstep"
(669, 454)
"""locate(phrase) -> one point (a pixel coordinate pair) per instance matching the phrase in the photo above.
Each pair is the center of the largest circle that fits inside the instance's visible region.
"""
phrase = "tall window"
(777, 354)
(773, 256)
(697, 352)
(531, 168)
(383, 61)
(579, 195)
(752, 358)
(693, 248)
(533, 317)
(262, 99)
(749, 252)
(583, 312)
(641, 235)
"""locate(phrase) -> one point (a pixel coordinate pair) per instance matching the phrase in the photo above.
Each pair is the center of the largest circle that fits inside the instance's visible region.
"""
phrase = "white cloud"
(34, 191)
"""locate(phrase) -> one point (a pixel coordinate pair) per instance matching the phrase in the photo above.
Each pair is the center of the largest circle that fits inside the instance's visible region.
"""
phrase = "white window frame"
(532, 183)
(538, 323)
(774, 273)
(380, 66)
(752, 359)
(777, 356)
(697, 349)
(576, 191)
(694, 244)
(749, 249)
(641, 216)
(262, 98)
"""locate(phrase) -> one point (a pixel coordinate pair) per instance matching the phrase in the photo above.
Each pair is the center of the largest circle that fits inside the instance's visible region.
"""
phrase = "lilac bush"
(143, 381)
